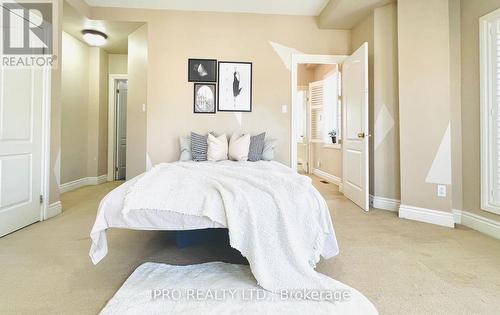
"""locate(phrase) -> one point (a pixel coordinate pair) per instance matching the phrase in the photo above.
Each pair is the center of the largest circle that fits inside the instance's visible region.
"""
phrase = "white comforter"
(275, 217)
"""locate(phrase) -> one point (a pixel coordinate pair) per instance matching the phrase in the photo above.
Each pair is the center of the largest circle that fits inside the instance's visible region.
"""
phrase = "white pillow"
(185, 144)
(217, 147)
(268, 153)
(239, 146)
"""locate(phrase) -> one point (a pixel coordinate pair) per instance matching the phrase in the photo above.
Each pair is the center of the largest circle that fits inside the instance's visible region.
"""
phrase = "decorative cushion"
(256, 147)
(185, 144)
(268, 153)
(199, 147)
(217, 147)
(238, 147)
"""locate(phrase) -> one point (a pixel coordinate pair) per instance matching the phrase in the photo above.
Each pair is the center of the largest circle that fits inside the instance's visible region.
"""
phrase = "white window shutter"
(316, 107)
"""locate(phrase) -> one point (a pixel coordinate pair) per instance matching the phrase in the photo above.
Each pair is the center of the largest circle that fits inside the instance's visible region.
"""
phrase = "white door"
(121, 129)
(355, 124)
(21, 102)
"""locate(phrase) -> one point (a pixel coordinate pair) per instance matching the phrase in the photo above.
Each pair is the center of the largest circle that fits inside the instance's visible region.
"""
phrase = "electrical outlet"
(284, 109)
(441, 190)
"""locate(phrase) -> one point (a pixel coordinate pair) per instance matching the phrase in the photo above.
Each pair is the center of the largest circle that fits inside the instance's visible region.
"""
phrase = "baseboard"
(86, 181)
(98, 180)
(328, 177)
(384, 203)
(69, 186)
(478, 223)
(427, 215)
(53, 210)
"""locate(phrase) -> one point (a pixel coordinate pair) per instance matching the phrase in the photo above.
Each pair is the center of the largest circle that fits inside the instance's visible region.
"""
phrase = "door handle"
(363, 135)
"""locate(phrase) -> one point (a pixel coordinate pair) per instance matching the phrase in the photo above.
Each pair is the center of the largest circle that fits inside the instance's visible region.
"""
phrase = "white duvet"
(275, 217)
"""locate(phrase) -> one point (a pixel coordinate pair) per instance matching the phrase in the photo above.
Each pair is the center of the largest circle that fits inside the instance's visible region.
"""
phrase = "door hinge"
(117, 91)
(41, 199)
(116, 168)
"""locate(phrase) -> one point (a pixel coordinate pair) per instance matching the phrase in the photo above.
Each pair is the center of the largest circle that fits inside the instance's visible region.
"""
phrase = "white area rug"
(220, 288)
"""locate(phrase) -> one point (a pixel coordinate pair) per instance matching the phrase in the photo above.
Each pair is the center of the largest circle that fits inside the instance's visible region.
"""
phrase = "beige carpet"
(403, 267)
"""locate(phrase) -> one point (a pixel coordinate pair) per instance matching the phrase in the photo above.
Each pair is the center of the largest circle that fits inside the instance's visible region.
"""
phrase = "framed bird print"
(202, 70)
(235, 87)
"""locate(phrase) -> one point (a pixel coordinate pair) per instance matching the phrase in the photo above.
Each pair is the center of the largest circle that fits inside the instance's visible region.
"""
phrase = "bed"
(275, 217)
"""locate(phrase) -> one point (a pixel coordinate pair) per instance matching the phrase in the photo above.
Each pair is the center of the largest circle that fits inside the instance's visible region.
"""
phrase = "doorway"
(341, 126)
(318, 116)
(117, 127)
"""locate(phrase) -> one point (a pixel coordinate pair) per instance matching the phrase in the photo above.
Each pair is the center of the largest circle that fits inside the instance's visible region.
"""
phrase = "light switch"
(441, 190)
(144, 107)
(284, 109)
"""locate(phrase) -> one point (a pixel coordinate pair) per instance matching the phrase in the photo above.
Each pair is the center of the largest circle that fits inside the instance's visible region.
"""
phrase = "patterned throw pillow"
(199, 147)
(256, 147)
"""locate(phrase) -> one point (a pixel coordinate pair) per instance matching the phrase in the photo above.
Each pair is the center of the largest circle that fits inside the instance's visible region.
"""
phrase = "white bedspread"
(275, 217)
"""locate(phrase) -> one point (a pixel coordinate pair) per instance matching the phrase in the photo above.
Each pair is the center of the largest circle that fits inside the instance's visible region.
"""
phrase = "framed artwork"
(235, 87)
(204, 98)
(202, 70)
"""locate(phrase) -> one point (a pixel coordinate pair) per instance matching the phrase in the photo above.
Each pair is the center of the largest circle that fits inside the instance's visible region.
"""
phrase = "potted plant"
(333, 135)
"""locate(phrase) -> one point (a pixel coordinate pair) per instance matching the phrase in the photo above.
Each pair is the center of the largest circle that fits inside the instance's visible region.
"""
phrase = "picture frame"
(235, 91)
(202, 70)
(204, 98)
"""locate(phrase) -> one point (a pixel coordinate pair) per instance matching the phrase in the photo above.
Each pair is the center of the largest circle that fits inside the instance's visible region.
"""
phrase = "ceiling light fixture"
(94, 38)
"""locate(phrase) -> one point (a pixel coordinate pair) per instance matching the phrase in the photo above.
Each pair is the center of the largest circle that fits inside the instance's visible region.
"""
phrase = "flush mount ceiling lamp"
(94, 38)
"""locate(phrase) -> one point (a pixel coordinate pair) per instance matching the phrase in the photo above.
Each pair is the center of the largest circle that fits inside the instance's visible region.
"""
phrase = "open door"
(355, 123)
(21, 100)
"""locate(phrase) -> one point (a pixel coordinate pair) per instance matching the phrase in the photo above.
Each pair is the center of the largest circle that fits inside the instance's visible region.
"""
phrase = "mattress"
(109, 215)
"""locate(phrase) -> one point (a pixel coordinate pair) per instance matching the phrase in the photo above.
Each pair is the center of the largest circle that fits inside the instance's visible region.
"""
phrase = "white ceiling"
(74, 22)
(285, 7)
(345, 14)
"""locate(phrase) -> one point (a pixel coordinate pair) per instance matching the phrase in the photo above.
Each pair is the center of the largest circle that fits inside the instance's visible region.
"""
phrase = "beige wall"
(92, 114)
(55, 116)
(74, 107)
(170, 112)
(102, 160)
(424, 96)
(361, 33)
(137, 95)
(321, 71)
(471, 11)
(304, 75)
(327, 159)
(385, 156)
(84, 101)
(455, 105)
(117, 63)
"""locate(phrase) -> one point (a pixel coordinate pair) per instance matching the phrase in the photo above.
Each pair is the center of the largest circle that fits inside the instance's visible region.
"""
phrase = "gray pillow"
(199, 147)
(268, 153)
(256, 147)
(185, 144)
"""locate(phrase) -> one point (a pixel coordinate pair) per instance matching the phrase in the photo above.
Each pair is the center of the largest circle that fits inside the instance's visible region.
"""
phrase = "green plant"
(333, 133)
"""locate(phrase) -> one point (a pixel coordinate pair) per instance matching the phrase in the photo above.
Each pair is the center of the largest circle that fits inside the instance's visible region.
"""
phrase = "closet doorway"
(117, 127)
